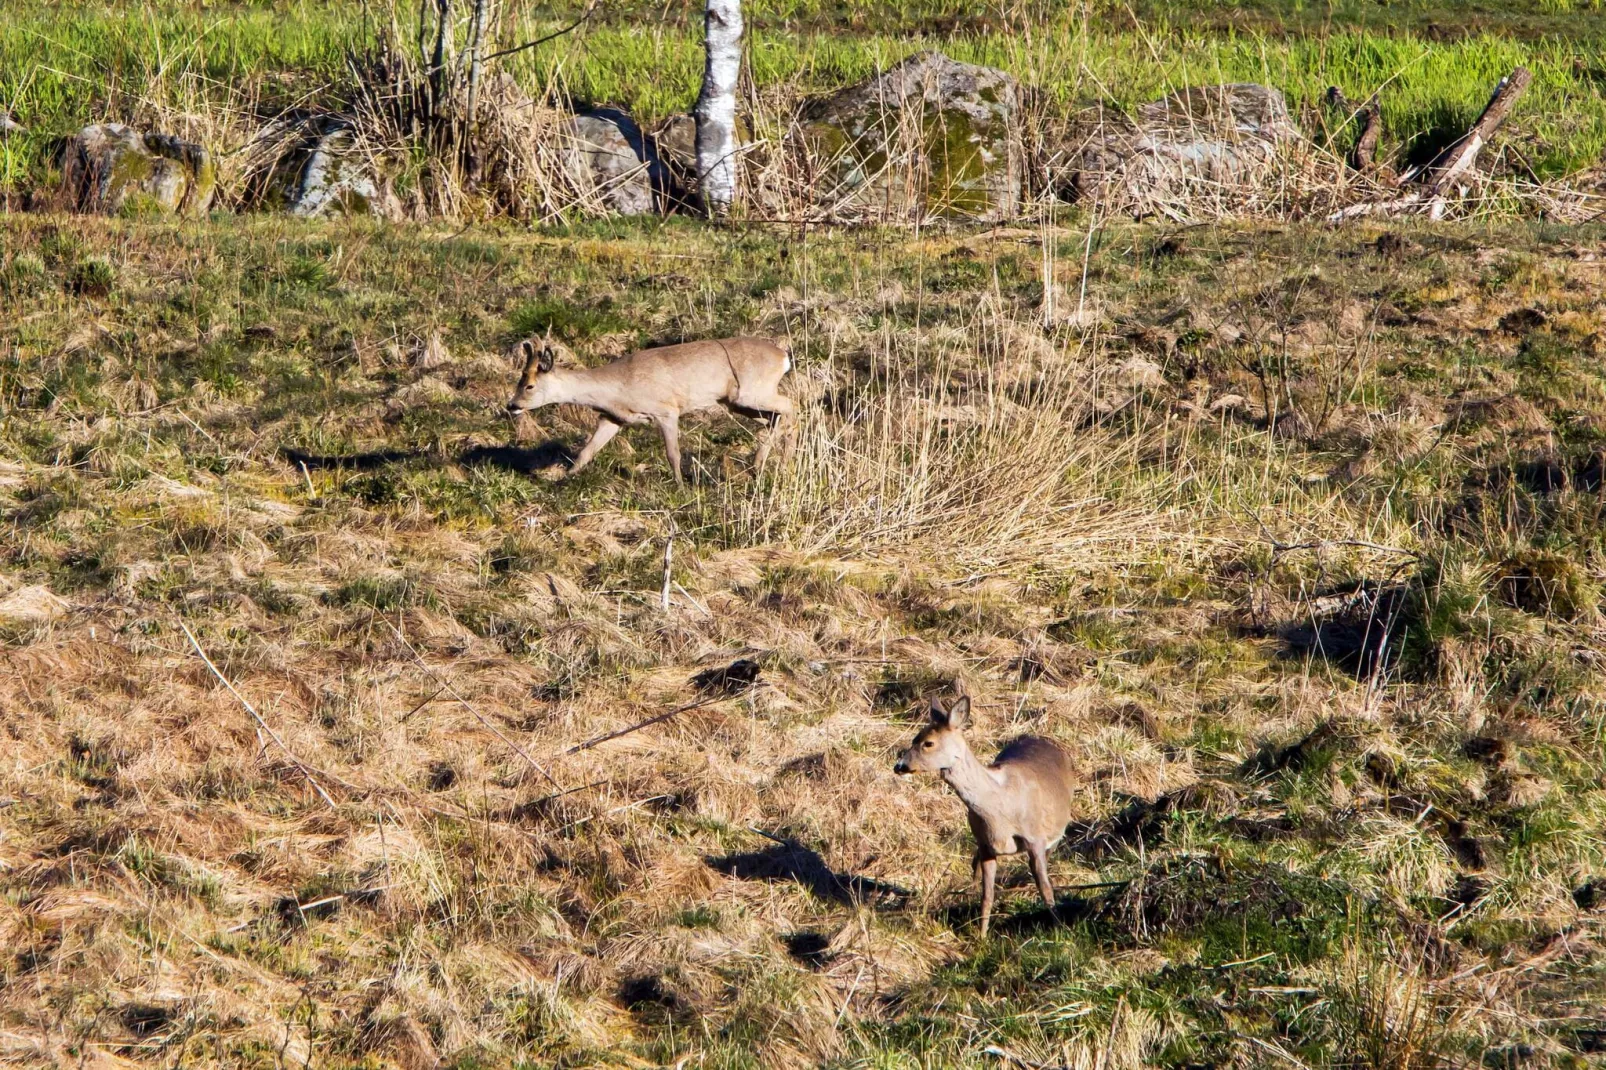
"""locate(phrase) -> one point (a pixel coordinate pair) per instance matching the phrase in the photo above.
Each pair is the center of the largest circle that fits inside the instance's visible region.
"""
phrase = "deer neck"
(972, 781)
(574, 386)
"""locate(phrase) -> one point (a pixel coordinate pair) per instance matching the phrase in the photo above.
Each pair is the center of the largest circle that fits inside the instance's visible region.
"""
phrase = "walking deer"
(658, 385)
(1021, 802)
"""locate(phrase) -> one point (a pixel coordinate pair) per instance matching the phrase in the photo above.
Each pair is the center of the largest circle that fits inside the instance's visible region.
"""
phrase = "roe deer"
(1021, 802)
(657, 385)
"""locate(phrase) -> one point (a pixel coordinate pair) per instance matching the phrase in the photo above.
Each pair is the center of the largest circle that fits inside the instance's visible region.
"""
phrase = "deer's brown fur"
(1021, 802)
(657, 385)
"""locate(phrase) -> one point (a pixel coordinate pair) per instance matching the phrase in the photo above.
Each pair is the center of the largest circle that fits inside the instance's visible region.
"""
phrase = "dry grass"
(1072, 524)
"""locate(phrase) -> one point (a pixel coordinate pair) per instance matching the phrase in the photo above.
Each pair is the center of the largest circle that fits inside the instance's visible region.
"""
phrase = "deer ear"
(959, 712)
(939, 716)
(546, 359)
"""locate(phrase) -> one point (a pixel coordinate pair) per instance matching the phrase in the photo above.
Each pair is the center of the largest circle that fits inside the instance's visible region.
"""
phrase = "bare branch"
(224, 680)
(585, 17)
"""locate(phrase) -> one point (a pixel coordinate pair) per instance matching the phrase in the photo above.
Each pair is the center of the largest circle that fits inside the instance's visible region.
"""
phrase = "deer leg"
(779, 410)
(789, 442)
(989, 874)
(606, 429)
(1039, 860)
(669, 427)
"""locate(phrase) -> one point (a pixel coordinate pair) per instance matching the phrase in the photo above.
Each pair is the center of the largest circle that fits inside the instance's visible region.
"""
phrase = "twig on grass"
(615, 810)
(263, 725)
(585, 16)
(484, 720)
(649, 722)
(432, 697)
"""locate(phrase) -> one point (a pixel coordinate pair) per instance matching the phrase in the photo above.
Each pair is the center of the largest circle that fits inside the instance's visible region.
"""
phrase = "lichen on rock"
(617, 165)
(928, 137)
(1219, 144)
(109, 168)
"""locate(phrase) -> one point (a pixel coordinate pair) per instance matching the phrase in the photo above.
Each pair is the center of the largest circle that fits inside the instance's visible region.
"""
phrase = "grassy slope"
(188, 69)
(1072, 533)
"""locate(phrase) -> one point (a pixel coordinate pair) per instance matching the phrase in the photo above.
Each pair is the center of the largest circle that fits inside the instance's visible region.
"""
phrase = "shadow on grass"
(358, 462)
(527, 460)
(1362, 636)
(1068, 910)
(789, 860)
(524, 459)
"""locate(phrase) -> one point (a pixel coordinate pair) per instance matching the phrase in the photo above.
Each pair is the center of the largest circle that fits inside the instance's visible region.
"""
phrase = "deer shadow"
(526, 460)
(1068, 910)
(790, 860)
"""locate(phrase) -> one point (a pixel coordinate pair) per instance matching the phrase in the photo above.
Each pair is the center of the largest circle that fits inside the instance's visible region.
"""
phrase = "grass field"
(1293, 844)
(1291, 534)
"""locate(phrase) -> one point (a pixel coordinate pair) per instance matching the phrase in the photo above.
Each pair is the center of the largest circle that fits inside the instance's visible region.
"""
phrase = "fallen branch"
(648, 723)
(1459, 158)
(224, 680)
(484, 720)
(1435, 181)
(1365, 155)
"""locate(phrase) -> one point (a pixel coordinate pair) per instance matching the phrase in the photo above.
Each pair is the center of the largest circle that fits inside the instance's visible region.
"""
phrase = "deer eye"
(928, 744)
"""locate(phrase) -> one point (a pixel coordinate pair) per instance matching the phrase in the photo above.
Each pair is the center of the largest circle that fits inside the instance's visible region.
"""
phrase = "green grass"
(63, 66)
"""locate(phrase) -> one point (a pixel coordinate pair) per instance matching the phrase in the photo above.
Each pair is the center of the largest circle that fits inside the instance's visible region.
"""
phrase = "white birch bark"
(716, 106)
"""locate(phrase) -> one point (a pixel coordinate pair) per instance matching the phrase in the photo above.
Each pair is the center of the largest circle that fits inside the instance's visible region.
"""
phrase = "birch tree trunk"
(716, 106)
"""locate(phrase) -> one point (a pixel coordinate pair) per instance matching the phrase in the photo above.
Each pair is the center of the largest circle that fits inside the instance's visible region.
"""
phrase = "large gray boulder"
(1216, 143)
(928, 137)
(614, 163)
(337, 180)
(109, 167)
(315, 168)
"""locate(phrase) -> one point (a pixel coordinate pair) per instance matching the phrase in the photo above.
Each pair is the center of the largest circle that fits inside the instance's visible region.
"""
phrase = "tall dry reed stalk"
(999, 465)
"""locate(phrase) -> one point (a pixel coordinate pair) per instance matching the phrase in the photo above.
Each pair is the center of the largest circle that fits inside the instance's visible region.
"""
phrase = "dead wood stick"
(224, 680)
(1365, 154)
(1370, 116)
(1280, 548)
(615, 810)
(1459, 157)
(669, 560)
(648, 723)
(538, 42)
(484, 720)
(543, 800)
(1435, 180)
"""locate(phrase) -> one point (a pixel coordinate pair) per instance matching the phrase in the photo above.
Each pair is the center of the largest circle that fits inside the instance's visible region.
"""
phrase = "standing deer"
(658, 385)
(1021, 802)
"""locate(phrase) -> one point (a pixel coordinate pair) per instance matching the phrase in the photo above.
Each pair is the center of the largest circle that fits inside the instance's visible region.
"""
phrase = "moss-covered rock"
(1220, 143)
(315, 167)
(337, 179)
(109, 167)
(929, 137)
